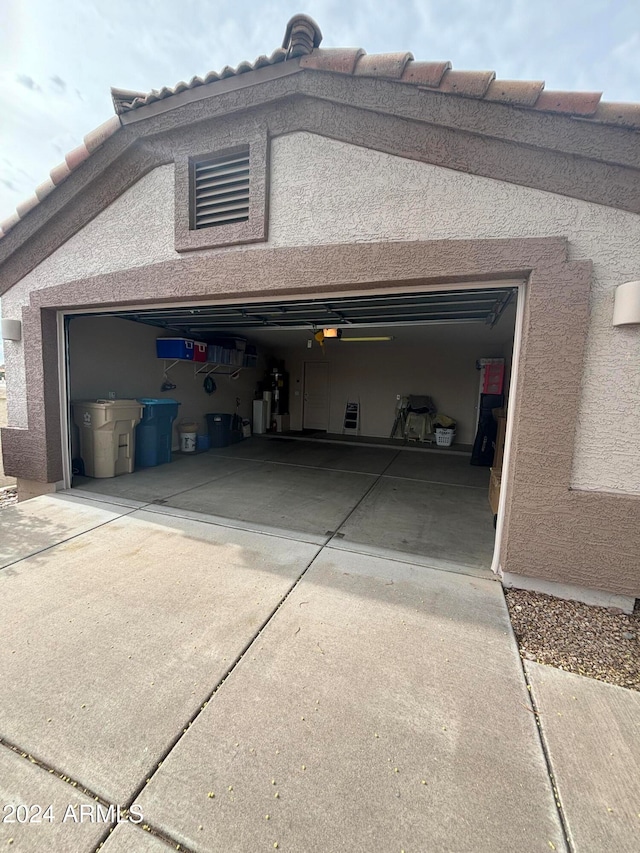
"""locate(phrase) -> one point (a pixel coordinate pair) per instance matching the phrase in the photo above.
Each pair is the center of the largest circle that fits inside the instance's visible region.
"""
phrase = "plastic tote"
(188, 436)
(174, 348)
(219, 425)
(106, 427)
(199, 351)
(154, 432)
(202, 442)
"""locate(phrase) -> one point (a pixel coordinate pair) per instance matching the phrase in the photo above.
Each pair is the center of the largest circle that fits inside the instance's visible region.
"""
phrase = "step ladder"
(351, 424)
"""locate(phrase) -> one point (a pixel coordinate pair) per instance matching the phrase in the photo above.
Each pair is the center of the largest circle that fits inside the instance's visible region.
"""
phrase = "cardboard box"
(494, 489)
(499, 442)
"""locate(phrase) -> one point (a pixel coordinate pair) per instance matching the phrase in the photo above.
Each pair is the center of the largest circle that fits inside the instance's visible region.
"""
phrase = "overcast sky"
(60, 57)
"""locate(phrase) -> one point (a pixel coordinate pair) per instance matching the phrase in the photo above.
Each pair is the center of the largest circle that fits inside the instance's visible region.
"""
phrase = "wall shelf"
(204, 368)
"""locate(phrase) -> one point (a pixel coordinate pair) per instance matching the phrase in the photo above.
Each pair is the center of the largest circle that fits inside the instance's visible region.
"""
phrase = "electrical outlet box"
(398, 397)
(112, 395)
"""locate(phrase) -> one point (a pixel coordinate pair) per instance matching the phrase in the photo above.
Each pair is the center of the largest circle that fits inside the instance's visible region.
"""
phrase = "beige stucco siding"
(323, 191)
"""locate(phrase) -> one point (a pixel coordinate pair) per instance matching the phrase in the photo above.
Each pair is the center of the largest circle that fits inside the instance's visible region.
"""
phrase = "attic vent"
(220, 193)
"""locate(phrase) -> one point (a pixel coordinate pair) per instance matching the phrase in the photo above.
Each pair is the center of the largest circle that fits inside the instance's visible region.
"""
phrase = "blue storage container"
(203, 442)
(154, 432)
(174, 348)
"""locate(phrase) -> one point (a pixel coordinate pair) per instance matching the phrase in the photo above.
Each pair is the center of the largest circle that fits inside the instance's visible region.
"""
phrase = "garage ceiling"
(453, 306)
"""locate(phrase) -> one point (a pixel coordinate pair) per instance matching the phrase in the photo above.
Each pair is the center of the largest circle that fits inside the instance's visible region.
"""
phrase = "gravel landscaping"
(599, 642)
(8, 496)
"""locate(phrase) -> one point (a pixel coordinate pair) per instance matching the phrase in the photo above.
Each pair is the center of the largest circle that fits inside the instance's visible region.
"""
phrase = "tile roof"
(93, 140)
(302, 41)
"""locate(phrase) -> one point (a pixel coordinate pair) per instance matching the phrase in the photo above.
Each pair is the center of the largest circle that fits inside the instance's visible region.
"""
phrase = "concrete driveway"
(237, 689)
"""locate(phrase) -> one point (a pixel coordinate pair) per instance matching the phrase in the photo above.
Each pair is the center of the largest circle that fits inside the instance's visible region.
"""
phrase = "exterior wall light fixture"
(626, 309)
(11, 330)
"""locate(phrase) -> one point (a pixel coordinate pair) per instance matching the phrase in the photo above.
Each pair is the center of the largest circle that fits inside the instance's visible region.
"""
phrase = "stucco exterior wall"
(323, 191)
(137, 229)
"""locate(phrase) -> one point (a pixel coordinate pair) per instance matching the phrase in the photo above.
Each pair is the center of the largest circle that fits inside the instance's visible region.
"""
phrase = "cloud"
(9, 184)
(59, 83)
(28, 82)
(579, 44)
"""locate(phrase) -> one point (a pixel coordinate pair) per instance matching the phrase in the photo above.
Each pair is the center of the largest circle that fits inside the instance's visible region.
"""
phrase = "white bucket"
(188, 437)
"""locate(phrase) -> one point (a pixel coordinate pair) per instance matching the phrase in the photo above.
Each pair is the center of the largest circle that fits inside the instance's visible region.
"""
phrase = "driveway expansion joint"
(378, 477)
(69, 538)
(150, 829)
(409, 559)
(543, 745)
(33, 759)
(219, 684)
(83, 789)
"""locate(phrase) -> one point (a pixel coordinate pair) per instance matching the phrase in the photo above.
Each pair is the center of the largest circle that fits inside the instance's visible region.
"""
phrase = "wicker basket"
(444, 437)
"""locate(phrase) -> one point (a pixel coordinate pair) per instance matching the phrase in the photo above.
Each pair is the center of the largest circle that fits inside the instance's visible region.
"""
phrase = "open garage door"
(373, 420)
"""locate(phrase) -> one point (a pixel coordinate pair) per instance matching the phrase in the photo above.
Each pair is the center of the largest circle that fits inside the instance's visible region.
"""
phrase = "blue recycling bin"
(154, 432)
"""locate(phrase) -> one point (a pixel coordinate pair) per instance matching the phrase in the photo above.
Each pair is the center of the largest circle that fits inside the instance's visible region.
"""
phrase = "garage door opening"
(371, 422)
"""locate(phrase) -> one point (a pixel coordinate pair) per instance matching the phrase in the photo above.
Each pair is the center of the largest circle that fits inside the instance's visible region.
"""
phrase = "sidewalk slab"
(591, 730)
(24, 783)
(32, 526)
(121, 634)
(386, 707)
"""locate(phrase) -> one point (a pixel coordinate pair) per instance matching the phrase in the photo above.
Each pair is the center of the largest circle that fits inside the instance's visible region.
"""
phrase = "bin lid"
(100, 404)
(153, 401)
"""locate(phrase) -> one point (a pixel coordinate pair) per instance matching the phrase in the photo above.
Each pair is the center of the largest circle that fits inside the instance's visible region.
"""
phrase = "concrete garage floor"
(430, 506)
(250, 690)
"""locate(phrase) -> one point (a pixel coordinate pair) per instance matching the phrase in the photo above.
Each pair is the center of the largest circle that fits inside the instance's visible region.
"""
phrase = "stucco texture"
(324, 191)
(137, 229)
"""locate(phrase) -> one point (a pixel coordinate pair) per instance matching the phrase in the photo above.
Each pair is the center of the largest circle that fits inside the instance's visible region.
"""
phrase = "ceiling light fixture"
(380, 338)
(337, 335)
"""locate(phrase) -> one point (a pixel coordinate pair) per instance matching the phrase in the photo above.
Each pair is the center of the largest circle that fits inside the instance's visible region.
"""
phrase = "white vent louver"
(221, 190)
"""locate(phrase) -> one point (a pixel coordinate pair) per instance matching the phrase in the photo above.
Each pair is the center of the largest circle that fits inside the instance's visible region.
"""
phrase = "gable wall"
(324, 191)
